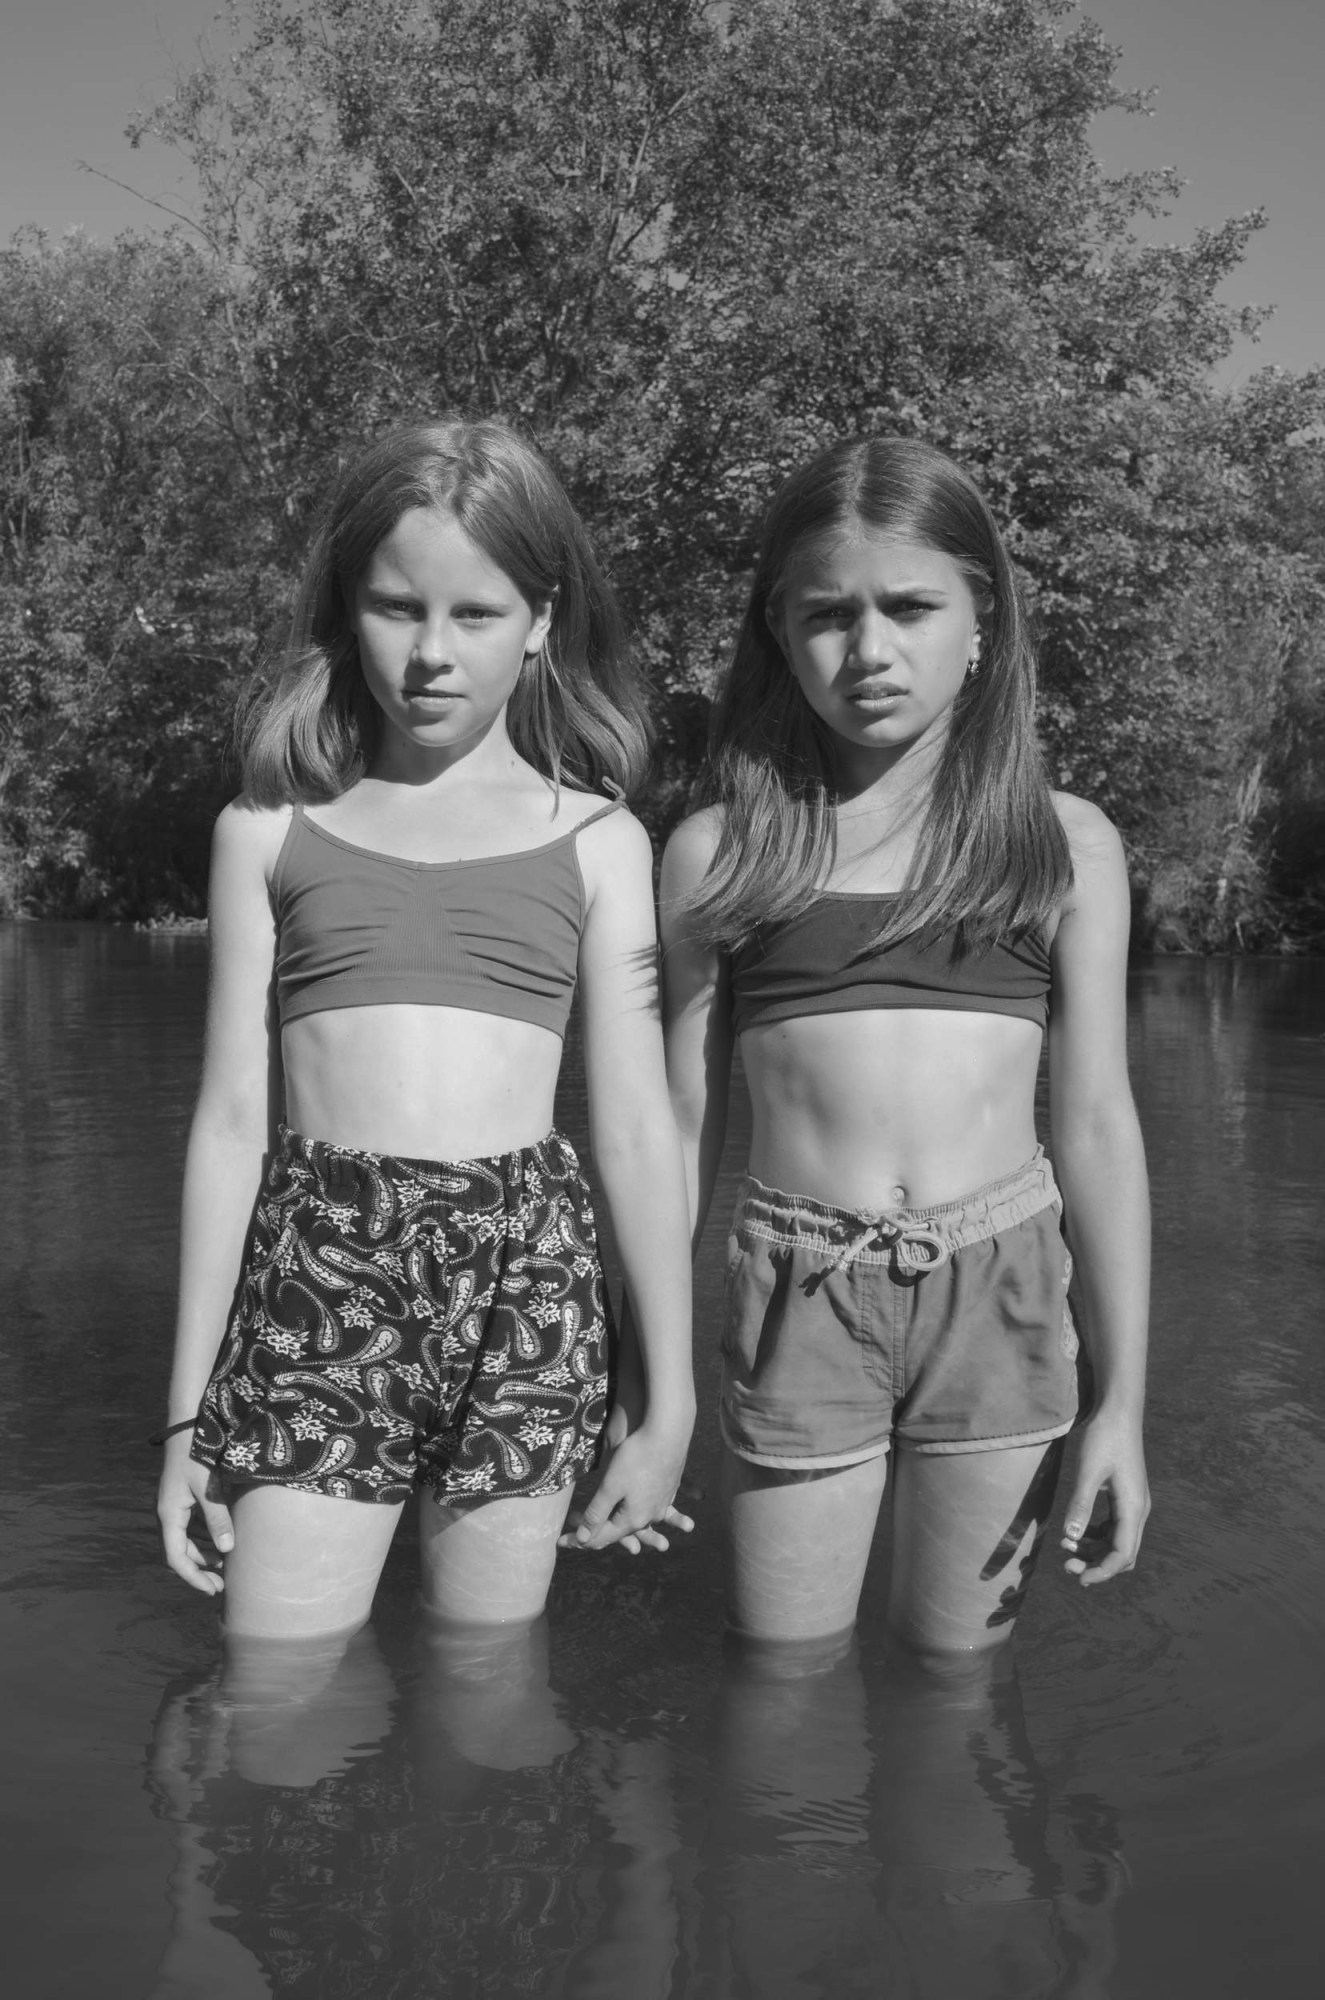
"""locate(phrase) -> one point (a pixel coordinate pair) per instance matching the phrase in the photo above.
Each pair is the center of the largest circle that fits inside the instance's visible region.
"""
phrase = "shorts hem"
(359, 1490)
(813, 1461)
(399, 1493)
(1008, 1441)
(474, 1496)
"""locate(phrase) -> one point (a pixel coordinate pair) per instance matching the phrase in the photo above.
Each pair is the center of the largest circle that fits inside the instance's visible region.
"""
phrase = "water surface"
(615, 1805)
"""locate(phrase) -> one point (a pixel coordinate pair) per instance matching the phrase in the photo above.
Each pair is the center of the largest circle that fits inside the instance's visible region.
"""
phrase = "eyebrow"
(489, 600)
(818, 593)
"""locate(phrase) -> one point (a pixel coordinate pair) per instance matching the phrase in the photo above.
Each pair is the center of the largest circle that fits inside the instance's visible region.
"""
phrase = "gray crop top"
(356, 928)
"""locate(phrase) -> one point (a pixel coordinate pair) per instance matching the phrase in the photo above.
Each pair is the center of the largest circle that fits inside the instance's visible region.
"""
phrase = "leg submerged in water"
(490, 1564)
(797, 1546)
(304, 1564)
(967, 1528)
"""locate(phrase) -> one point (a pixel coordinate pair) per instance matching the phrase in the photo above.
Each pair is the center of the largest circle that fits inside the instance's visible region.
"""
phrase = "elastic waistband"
(913, 1239)
(350, 1167)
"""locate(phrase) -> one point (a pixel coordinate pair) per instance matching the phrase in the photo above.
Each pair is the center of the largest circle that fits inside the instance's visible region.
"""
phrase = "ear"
(540, 628)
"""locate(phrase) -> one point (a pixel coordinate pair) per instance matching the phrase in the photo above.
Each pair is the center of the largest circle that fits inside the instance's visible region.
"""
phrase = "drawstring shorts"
(946, 1329)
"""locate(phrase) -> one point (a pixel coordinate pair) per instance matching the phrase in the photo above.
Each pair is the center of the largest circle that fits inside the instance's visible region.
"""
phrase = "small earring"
(973, 664)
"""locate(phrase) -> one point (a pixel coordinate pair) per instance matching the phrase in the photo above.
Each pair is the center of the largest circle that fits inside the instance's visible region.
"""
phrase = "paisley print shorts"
(414, 1322)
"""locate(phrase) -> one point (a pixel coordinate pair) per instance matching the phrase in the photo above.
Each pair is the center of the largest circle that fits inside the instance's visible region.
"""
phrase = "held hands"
(1110, 1470)
(632, 1503)
(184, 1486)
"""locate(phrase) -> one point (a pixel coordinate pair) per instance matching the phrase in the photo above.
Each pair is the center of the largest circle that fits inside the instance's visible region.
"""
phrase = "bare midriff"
(430, 1083)
(889, 1108)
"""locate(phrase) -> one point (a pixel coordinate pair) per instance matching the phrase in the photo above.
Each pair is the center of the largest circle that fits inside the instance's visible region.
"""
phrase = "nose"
(873, 645)
(432, 644)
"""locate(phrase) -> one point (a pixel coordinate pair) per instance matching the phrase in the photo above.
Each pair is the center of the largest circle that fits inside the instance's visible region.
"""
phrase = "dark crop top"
(813, 965)
(355, 928)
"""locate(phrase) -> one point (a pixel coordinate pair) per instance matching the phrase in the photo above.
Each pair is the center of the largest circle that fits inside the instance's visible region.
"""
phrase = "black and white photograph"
(662, 999)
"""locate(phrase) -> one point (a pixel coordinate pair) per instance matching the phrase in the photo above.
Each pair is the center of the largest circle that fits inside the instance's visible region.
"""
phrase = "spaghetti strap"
(613, 805)
(291, 834)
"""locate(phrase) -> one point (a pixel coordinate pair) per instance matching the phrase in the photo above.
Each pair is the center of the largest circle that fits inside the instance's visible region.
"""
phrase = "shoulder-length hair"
(309, 726)
(991, 859)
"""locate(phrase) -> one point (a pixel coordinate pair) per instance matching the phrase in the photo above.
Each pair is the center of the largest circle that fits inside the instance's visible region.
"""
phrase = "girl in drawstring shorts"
(883, 901)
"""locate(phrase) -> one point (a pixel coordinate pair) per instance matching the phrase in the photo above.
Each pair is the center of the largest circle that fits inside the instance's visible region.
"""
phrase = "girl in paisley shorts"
(889, 908)
(429, 856)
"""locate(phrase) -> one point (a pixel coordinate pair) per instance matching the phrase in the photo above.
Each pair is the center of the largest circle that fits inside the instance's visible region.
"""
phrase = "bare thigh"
(966, 1531)
(303, 1564)
(490, 1564)
(797, 1545)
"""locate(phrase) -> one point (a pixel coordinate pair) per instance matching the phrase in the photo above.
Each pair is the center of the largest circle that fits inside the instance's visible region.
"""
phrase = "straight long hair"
(991, 860)
(309, 727)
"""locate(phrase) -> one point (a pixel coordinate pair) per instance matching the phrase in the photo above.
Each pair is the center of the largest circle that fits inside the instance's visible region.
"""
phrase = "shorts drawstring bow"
(906, 1240)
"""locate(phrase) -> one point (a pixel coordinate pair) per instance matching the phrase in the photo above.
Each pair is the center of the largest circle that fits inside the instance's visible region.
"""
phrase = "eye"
(394, 607)
(909, 610)
(477, 614)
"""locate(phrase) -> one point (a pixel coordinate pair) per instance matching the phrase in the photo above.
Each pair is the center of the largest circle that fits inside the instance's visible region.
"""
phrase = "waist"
(355, 1173)
(420, 1082)
(919, 1237)
(852, 1106)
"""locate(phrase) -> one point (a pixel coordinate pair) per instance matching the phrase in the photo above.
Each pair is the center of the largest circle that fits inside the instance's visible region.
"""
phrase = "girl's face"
(443, 634)
(879, 634)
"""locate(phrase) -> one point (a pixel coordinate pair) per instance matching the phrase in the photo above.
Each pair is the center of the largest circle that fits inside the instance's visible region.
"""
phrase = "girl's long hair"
(309, 726)
(991, 860)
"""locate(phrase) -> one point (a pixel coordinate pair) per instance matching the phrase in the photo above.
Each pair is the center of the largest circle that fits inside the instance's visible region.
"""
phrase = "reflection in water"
(342, 1831)
(900, 1838)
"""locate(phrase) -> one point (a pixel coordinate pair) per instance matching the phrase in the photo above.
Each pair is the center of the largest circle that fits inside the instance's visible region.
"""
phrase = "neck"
(485, 759)
(892, 781)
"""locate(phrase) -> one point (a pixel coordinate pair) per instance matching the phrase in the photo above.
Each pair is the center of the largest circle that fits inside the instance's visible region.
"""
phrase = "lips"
(875, 694)
(434, 700)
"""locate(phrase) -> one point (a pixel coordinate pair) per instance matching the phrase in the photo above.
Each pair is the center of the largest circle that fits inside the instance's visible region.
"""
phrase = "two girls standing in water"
(887, 906)
(882, 899)
(421, 869)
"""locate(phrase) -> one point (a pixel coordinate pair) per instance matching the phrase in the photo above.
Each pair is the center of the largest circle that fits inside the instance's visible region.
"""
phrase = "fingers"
(219, 1525)
(614, 1524)
(183, 1554)
(209, 1581)
(1099, 1551)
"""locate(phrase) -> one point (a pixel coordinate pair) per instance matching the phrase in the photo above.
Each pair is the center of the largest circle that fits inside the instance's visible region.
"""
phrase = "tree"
(124, 541)
(686, 243)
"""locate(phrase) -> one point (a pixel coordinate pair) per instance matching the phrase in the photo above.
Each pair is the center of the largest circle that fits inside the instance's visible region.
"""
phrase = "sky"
(1237, 89)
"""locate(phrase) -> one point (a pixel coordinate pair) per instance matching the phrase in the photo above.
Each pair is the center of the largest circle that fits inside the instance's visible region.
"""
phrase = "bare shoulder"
(245, 847)
(1097, 910)
(1092, 838)
(615, 858)
(614, 839)
(250, 835)
(690, 850)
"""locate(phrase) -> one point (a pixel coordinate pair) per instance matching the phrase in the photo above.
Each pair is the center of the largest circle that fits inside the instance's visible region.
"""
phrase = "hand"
(1110, 1465)
(633, 1501)
(185, 1485)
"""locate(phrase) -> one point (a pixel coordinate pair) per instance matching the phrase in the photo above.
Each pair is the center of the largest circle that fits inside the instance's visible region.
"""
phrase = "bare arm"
(638, 1160)
(229, 1136)
(697, 1019)
(1100, 1162)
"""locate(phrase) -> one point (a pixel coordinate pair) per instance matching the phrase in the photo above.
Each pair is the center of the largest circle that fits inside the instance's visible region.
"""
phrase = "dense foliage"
(683, 243)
